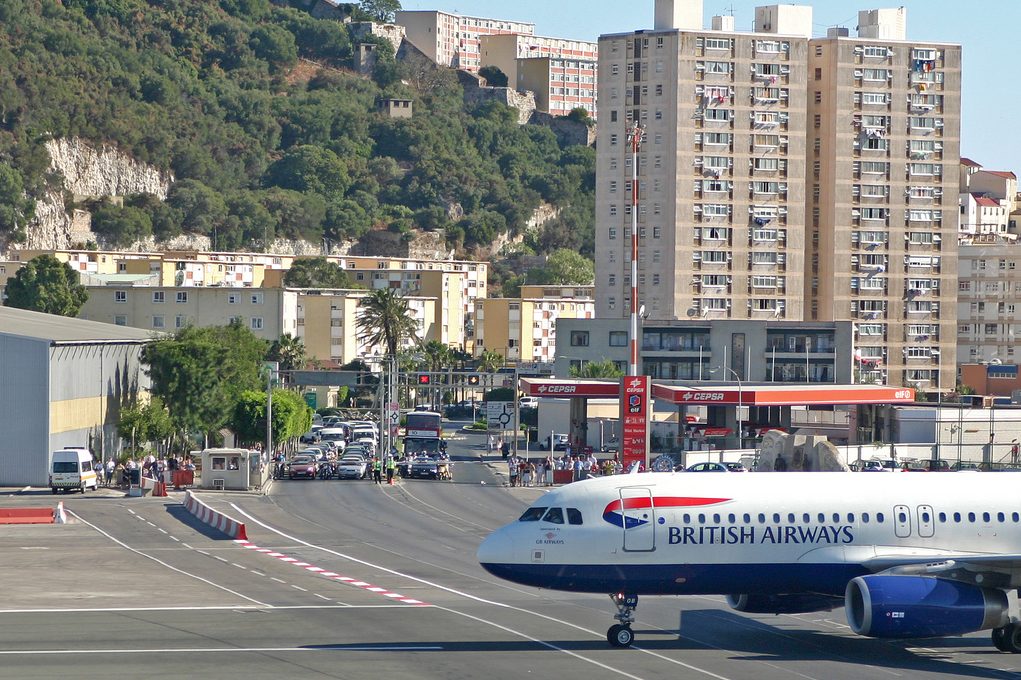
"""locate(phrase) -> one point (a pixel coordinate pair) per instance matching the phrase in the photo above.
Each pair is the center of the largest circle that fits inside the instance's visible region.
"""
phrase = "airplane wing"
(997, 568)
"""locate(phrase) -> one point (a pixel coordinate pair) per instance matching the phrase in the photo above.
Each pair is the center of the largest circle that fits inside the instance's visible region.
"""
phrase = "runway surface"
(347, 579)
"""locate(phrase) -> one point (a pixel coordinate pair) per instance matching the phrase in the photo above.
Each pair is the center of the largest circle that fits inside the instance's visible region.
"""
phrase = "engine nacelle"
(921, 606)
(795, 603)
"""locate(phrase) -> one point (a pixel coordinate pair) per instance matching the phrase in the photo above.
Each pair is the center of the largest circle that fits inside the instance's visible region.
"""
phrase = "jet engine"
(885, 606)
(793, 603)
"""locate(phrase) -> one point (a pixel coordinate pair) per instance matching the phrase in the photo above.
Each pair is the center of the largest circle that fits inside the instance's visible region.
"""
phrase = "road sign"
(500, 415)
(310, 399)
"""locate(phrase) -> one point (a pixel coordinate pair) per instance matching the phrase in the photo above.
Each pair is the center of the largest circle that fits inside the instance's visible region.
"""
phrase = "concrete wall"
(24, 415)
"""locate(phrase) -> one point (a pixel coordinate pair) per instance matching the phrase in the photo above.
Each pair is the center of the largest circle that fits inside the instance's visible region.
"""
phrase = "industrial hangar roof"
(61, 329)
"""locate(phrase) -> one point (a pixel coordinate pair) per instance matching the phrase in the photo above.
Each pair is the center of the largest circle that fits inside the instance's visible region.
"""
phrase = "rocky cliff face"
(86, 172)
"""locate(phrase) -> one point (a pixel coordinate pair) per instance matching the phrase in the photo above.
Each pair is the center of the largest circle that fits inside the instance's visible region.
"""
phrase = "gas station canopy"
(749, 395)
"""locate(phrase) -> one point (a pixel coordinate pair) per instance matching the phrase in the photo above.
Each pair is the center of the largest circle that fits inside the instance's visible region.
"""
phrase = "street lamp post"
(740, 402)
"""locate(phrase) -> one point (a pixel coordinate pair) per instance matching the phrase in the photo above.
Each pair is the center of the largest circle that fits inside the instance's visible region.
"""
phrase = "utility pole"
(636, 134)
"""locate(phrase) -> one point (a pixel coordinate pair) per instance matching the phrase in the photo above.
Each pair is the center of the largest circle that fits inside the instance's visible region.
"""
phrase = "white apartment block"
(884, 129)
(989, 300)
(561, 72)
(454, 40)
(987, 200)
(721, 169)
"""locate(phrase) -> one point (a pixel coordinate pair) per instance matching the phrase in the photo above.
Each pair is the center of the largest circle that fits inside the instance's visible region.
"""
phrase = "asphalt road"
(347, 579)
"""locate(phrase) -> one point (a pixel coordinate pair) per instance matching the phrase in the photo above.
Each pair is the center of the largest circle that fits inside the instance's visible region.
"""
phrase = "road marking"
(202, 552)
(475, 598)
(175, 538)
(220, 558)
(219, 607)
(278, 580)
(161, 562)
(162, 531)
(304, 590)
(321, 597)
(220, 650)
(235, 564)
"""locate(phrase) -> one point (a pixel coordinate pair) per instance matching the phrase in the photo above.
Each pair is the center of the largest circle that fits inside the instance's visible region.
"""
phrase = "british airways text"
(732, 535)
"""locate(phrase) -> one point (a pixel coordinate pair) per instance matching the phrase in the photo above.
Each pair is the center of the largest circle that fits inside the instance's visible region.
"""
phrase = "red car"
(302, 466)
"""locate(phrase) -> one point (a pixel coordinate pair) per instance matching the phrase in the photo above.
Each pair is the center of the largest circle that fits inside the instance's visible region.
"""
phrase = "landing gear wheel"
(620, 636)
(1000, 639)
(1012, 638)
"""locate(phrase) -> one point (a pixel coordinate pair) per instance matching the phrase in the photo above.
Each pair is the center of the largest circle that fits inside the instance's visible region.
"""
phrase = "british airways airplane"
(908, 555)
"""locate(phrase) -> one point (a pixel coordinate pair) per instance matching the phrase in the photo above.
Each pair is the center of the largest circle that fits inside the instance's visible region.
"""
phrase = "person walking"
(512, 470)
(377, 470)
(391, 467)
(110, 467)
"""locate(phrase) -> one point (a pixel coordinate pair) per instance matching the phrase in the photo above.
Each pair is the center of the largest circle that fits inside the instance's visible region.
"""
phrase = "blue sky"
(987, 29)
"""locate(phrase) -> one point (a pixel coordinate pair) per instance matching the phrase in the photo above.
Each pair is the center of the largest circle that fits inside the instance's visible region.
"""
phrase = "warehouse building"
(62, 383)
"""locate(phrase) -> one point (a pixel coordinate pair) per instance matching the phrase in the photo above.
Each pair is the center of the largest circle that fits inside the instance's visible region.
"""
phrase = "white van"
(337, 435)
(71, 469)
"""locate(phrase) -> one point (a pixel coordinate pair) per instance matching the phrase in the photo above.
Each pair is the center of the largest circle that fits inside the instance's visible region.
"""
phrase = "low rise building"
(988, 299)
(454, 40)
(525, 329)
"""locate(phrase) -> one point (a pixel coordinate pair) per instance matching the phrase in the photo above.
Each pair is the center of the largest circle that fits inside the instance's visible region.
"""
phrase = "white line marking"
(278, 580)
(220, 558)
(25, 489)
(257, 573)
(162, 531)
(168, 566)
(321, 597)
(489, 602)
(175, 538)
(221, 607)
(202, 552)
(219, 650)
(304, 590)
(235, 564)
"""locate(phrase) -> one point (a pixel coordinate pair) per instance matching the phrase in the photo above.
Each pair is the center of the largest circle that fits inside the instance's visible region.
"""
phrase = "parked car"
(529, 402)
(424, 466)
(736, 467)
(352, 467)
(302, 465)
(558, 442)
(708, 467)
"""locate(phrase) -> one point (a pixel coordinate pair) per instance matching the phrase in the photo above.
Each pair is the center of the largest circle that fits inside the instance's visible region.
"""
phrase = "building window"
(159, 297)
(233, 298)
(256, 323)
(256, 298)
(180, 321)
(618, 338)
(579, 338)
(182, 296)
(120, 320)
(120, 296)
(158, 321)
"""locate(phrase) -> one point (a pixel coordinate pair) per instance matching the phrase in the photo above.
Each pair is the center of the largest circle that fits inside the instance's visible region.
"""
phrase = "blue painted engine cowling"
(921, 606)
(795, 603)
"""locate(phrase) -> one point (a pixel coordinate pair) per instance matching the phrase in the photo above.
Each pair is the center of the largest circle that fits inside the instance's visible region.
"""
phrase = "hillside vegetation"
(255, 110)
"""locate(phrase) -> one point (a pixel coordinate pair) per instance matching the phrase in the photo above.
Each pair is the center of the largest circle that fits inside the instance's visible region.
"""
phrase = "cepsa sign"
(707, 397)
(634, 416)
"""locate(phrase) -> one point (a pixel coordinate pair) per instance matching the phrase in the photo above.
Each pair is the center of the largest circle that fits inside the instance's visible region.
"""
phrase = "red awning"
(783, 394)
(713, 432)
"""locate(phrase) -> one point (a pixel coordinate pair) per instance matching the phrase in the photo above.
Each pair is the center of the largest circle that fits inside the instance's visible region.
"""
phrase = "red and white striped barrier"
(217, 520)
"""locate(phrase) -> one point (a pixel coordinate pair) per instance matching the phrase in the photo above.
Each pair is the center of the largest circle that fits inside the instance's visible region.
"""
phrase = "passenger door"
(926, 523)
(902, 521)
(639, 519)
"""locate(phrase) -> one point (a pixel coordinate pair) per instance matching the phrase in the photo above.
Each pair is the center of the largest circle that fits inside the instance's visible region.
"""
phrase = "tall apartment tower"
(884, 127)
(721, 169)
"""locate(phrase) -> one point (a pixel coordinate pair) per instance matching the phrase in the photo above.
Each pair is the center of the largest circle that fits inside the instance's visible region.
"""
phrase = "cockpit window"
(574, 516)
(532, 515)
(554, 516)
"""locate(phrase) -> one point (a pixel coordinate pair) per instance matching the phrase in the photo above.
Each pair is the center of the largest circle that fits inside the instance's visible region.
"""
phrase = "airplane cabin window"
(822, 518)
(902, 517)
(942, 518)
(806, 518)
(985, 517)
(747, 518)
(957, 517)
(879, 517)
(925, 517)
(865, 518)
(790, 517)
(836, 517)
(554, 516)
(1014, 517)
(762, 518)
(971, 516)
(776, 518)
(701, 519)
(532, 515)
(716, 519)
(1000, 517)
(687, 518)
(850, 517)
(574, 516)
(732, 518)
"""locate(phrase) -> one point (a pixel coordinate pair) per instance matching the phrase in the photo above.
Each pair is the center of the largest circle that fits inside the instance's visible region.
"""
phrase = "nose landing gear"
(620, 634)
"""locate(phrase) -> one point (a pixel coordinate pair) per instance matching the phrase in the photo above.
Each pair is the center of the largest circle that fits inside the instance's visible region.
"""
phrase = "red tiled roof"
(969, 163)
(986, 201)
(1001, 173)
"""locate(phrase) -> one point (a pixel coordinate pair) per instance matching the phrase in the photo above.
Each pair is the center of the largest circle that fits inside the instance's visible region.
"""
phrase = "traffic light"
(473, 379)
(424, 379)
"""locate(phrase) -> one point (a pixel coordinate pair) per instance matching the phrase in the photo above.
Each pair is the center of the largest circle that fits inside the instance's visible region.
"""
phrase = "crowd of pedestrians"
(159, 469)
(524, 471)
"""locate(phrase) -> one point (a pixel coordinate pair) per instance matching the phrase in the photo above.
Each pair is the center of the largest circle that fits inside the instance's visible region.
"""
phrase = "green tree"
(292, 417)
(15, 208)
(310, 168)
(494, 76)
(564, 267)
(145, 423)
(384, 320)
(381, 10)
(45, 284)
(317, 272)
(121, 226)
(603, 369)
(289, 352)
(437, 355)
(200, 373)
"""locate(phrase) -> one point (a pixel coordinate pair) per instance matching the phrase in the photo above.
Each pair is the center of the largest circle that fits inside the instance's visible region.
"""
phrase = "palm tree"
(437, 355)
(488, 362)
(603, 369)
(289, 351)
(384, 319)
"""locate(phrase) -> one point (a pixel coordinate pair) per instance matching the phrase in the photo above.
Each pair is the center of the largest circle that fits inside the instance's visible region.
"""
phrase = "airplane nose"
(497, 548)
